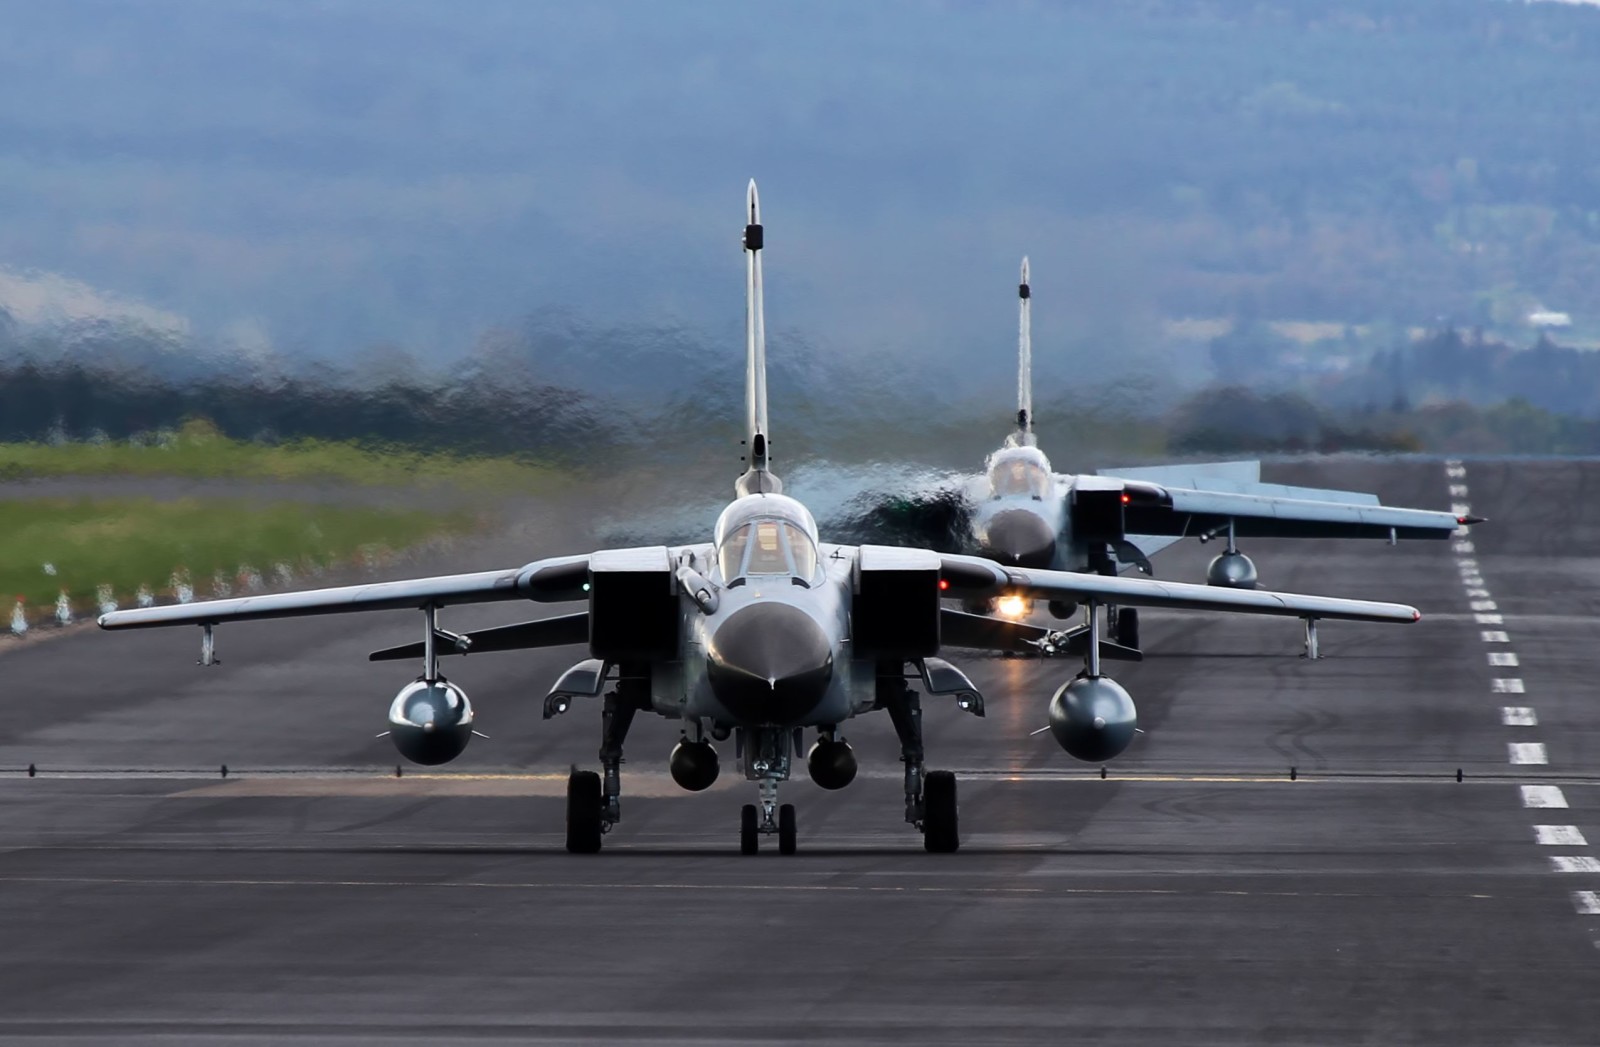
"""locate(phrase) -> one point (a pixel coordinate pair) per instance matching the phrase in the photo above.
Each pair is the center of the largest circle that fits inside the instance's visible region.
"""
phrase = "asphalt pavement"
(1285, 856)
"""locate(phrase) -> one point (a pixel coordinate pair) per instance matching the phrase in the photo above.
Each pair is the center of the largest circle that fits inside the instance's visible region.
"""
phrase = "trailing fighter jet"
(1023, 514)
(765, 633)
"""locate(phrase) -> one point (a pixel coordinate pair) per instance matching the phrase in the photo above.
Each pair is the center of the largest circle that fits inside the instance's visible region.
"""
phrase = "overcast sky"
(334, 174)
(329, 175)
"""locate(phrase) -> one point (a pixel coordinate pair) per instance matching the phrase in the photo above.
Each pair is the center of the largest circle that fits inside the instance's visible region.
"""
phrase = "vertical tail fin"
(757, 479)
(1024, 435)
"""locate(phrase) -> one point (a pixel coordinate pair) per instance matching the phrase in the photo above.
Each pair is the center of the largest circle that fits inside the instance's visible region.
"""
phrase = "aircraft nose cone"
(1019, 538)
(769, 663)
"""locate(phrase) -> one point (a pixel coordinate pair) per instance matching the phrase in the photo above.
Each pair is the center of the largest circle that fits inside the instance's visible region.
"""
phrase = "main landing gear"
(594, 801)
(930, 796)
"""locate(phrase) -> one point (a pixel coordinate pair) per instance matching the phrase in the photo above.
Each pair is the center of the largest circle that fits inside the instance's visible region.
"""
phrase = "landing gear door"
(939, 677)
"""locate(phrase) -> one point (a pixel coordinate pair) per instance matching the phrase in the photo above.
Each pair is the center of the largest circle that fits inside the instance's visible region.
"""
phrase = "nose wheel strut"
(766, 754)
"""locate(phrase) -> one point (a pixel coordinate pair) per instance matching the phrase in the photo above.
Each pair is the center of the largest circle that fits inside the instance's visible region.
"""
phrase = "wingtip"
(1468, 521)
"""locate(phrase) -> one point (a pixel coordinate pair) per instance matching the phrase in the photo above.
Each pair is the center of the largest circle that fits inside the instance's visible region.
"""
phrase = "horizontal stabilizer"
(544, 632)
(960, 629)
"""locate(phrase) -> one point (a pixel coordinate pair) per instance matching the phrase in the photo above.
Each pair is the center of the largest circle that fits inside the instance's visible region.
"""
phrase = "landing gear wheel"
(786, 829)
(749, 833)
(584, 806)
(1127, 630)
(940, 832)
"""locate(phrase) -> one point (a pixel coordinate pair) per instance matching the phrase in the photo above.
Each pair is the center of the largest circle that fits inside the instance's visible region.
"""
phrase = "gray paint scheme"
(801, 670)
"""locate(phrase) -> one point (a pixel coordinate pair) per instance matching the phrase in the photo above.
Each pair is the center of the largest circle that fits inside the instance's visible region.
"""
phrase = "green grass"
(130, 542)
(198, 451)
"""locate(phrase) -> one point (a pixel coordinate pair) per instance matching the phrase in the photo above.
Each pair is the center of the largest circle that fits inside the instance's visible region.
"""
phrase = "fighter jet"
(765, 634)
(1021, 513)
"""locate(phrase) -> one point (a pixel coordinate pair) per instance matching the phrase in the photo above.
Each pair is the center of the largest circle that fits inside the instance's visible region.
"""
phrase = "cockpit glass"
(767, 547)
(1019, 476)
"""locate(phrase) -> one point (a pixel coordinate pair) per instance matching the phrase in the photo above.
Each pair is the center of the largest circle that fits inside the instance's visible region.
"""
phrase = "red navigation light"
(1461, 520)
(944, 583)
(1126, 497)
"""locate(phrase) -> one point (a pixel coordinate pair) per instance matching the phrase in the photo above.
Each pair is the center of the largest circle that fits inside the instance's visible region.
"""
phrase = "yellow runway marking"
(774, 888)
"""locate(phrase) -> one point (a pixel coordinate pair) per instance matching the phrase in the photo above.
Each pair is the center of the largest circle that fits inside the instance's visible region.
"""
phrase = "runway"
(1197, 894)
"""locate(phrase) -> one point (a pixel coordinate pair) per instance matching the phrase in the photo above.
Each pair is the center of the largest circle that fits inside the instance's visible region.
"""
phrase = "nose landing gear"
(767, 754)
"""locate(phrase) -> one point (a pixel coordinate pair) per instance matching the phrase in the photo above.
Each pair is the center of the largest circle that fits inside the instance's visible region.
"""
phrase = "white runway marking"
(1559, 836)
(1461, 508)
(1477, 594)
(1519, 716)
(1458, 490)
(1502, 658)
(1484, 605)
(1495, 636)
(1490, 619)
(1467, 565)
(1543, 796)
(1527, 752)
(1466, 547)
(1511, 686)
(1455, 471)
(1586, 902)
(1575, 863)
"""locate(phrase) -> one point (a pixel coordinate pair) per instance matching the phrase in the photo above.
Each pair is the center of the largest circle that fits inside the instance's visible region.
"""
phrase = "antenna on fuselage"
(1024, 434)
(757, 479)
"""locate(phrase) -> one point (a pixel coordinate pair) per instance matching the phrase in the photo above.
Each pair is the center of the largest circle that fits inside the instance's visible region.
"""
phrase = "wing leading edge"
(561, 578)
(971, 575)
(1194, 500)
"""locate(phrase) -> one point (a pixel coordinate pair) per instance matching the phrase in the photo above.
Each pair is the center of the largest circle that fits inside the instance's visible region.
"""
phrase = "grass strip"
(199, 451)
(127, 543)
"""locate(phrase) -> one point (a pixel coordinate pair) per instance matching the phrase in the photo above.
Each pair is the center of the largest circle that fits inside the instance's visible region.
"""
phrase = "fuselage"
(766, 640)
(1021, 517)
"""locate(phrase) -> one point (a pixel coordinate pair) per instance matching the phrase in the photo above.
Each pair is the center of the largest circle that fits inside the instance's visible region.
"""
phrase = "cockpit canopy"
(1019, 471)
(766, 534)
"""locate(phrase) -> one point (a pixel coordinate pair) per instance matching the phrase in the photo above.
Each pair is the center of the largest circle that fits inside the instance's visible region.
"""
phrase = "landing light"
(1011, 606)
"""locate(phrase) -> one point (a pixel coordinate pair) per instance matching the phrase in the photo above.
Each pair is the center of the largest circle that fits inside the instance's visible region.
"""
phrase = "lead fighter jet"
(1021, 513)
(765, 633)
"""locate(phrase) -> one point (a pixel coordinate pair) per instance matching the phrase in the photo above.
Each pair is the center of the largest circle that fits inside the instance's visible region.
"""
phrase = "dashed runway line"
(1559, 836)
(1487, 612)
(1543, 797)
(1524, 753)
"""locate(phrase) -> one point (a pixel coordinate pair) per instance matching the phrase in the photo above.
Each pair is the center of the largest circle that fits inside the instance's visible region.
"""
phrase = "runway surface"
(1197, 895)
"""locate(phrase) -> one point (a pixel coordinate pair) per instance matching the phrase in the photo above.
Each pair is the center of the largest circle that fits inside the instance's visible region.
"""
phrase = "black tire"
(941, 833)
(584, 805)
(749, 838)
(786, 829)
(1128, 627)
